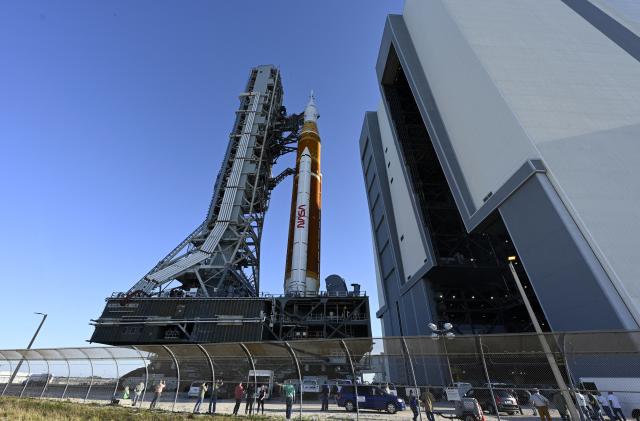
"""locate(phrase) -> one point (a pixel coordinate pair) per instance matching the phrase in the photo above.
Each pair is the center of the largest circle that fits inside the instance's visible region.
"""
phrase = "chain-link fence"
(573, 372)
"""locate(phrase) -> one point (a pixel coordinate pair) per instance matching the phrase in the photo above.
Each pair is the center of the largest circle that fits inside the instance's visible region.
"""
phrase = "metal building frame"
(269, 317)
(220, 258)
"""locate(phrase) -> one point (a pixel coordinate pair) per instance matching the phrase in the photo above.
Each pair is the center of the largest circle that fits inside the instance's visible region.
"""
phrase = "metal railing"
(491, 367)
(183, 295)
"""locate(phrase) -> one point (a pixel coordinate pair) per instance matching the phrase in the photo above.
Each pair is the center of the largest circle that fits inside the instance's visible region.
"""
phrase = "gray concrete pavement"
(311, 410)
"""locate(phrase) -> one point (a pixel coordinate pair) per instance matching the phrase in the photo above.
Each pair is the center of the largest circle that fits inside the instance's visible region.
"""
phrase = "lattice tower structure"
(220, 258)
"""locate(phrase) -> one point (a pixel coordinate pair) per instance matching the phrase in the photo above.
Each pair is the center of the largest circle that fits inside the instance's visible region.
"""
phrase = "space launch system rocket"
(302, 272)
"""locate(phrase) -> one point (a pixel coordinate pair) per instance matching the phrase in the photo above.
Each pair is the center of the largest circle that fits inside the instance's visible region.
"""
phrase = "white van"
(310, 386)
(262, 377)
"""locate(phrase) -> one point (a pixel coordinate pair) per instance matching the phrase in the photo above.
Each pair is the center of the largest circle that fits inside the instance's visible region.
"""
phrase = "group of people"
(597, 406)
(137, 393)
(159, 388)
(251, 395)
(241, 392)
(425, 400)
(592, 406)
(202, 391)
(139, 389)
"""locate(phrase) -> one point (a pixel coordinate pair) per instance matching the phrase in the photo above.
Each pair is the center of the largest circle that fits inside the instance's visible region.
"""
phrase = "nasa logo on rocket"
(302, 213)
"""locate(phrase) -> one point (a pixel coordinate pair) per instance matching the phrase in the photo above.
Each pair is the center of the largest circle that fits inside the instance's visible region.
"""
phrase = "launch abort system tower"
(208, 289)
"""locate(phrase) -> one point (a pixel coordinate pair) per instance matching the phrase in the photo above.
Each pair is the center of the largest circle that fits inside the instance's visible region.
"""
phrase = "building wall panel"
(480, 126)
(572, 288)
(519, 80)
(412, 247)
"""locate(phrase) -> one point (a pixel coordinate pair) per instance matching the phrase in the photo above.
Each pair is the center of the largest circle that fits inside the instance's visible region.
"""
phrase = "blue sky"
(114, 117)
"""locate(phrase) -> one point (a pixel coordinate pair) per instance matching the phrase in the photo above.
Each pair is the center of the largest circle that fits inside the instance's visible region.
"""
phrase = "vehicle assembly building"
(208, 289)
(506, 129)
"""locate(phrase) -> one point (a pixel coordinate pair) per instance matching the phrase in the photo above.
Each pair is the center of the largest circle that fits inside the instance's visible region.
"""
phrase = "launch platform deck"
(171, 320)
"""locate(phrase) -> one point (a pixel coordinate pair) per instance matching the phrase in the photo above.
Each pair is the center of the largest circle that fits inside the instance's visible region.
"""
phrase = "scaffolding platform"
(174, 320)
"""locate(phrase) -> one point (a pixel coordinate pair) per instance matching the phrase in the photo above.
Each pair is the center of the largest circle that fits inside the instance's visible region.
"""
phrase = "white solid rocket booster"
(298, 273)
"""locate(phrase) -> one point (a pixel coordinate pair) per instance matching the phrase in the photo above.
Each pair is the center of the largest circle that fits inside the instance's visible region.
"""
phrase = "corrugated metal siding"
(180, 309)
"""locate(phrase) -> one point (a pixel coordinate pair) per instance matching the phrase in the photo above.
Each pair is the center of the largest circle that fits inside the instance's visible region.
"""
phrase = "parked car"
(369, 397)
(262, 377)
(522, 396)
(505, 401)
(194, 389)
(310, 386)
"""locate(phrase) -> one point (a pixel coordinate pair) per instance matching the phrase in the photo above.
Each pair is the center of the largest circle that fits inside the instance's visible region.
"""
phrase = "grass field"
(25, 409)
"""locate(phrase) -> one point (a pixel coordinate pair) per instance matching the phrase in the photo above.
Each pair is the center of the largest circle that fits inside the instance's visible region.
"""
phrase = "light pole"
(15, 372)
(444, 332)
(543, 342)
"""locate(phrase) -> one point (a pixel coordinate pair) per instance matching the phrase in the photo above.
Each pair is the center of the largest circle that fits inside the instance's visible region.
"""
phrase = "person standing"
(289, 396)
(137, 392)
(157, 393)
(541, 404)
(561, 406)
(527, 401)
(616, 408)
(413, 404)
(324, 394)
(214, 396)
(125, 393)
(201, 393)
(604, 404)
(515, 395)
(250, 396)
(262, 396)
(386, 389)
(238, 392)
(427, 403)
(596, 409)
(582, 403)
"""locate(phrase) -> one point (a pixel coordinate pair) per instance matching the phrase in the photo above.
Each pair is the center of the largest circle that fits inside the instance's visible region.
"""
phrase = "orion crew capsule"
(302, 272)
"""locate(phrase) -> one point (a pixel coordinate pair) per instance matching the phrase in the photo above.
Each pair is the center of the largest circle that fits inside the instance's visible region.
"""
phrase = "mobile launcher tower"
(207, 289)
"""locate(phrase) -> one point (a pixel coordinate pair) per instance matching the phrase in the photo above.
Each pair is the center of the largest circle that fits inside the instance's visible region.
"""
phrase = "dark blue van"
(369, 397)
